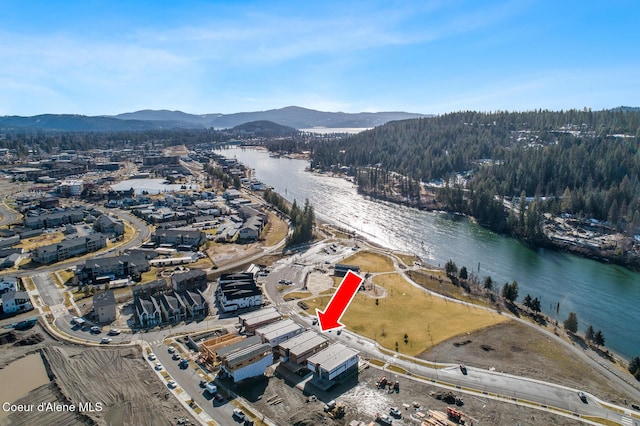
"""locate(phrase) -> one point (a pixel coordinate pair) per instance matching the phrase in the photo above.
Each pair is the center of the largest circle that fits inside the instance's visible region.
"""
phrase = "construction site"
(380, 397)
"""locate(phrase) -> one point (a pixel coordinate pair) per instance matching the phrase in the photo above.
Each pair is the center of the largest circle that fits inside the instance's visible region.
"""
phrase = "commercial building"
(332, 364)
(279, 331)
(340, 269)
(245, 359)
(299, 348)
(250, 321)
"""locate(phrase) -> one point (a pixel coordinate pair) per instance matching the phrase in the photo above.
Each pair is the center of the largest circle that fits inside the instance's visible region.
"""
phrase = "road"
(483, 382)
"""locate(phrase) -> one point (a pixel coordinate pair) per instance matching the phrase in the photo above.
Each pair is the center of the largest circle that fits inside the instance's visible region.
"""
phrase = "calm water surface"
(604, 296)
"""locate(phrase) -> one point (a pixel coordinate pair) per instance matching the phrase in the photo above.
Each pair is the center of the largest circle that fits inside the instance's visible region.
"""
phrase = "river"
(602, 295)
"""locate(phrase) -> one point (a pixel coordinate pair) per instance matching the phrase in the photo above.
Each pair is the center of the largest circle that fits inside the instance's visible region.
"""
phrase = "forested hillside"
(580, 162)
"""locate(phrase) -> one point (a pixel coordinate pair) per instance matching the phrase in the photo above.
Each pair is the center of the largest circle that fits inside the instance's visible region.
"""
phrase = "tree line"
(579, 162)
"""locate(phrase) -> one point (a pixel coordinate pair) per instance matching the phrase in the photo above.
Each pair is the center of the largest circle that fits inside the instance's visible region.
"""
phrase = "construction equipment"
(337, 412)
(454, 414)
(382, 382)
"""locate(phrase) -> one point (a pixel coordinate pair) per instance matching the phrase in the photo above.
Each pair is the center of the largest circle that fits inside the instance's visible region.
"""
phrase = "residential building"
(16, 301)
(69, 248)
(54, 219)
(117, 267)
(109, 225)
(172, 307)
(8, 284)
(104, 307)
(148, 312)
(195, 279)
(181, 236)
(194, 302)
(238, 291)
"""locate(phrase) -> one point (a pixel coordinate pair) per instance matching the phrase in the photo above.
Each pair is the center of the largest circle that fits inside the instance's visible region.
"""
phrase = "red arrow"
(329, 319)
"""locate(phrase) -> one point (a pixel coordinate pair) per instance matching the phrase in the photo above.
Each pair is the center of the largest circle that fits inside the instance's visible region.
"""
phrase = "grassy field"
(438, 282)
(275, 230)
(370, 262)
(407, 259)
(41, 240)
(426, 320)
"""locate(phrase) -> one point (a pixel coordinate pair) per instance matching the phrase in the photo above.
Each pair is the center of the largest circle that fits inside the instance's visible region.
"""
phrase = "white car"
(158, 366)
(172, 384)
(238, 413)
(114, 331)
(152, 357)
(105, 340)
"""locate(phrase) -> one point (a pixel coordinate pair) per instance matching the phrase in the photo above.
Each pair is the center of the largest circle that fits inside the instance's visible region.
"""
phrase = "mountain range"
(292, 116)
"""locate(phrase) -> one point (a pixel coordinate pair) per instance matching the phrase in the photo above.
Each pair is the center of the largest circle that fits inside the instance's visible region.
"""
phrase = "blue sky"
(109, 57)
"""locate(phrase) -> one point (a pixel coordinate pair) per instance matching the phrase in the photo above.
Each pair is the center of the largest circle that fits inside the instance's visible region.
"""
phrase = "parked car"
(171, 349)
(114, 331)
(105, 340)
(152, 357)
(172, 384)
(395, 412)
(184, 363)
(219, 397)
(238, 413)
(158, 366)
(96, 329)
(176, 357)
(582, 397)
(463, 368)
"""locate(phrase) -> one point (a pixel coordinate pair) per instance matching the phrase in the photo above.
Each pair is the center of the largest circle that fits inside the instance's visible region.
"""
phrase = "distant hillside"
(292, 116)
(68, 122)
(295, 117)
(264, 129)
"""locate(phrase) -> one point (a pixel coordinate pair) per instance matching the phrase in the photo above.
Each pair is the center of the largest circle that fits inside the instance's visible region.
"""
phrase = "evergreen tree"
(571, 323)
(590, 334)
(598, 339)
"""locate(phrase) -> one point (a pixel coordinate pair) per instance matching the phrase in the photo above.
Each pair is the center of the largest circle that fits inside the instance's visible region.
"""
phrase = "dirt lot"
(518, 349)
(363, 400)
(118, 378)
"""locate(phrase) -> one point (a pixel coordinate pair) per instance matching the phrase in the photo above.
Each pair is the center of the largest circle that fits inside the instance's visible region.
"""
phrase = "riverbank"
(587, 238)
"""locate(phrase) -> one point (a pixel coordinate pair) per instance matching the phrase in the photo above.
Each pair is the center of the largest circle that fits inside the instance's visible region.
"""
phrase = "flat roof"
(257, 317)
(222, 352)
(333, 356)
(244, 354)
(278, 328)
(304, 342)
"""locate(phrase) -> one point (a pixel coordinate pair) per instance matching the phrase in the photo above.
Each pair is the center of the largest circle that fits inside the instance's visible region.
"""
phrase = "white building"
(246, 359)
(333, 363)
(238, 291)
(71, 187)
(16, 301)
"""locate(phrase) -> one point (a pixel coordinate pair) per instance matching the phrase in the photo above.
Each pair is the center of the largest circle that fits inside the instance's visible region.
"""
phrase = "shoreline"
(583, 249)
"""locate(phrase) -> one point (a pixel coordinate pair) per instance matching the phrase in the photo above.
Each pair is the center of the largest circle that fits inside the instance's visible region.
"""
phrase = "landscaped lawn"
(426, 319)
(370, 262)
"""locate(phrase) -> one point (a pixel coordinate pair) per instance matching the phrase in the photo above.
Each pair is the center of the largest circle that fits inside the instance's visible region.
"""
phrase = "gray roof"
(304, 342)
(245, 343)
(104, 298)
(278, 328)
(242, 355)
(333, 356)
(257, 317)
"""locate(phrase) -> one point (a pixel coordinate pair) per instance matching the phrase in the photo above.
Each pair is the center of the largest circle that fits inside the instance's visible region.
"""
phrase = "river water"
(602, 295)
